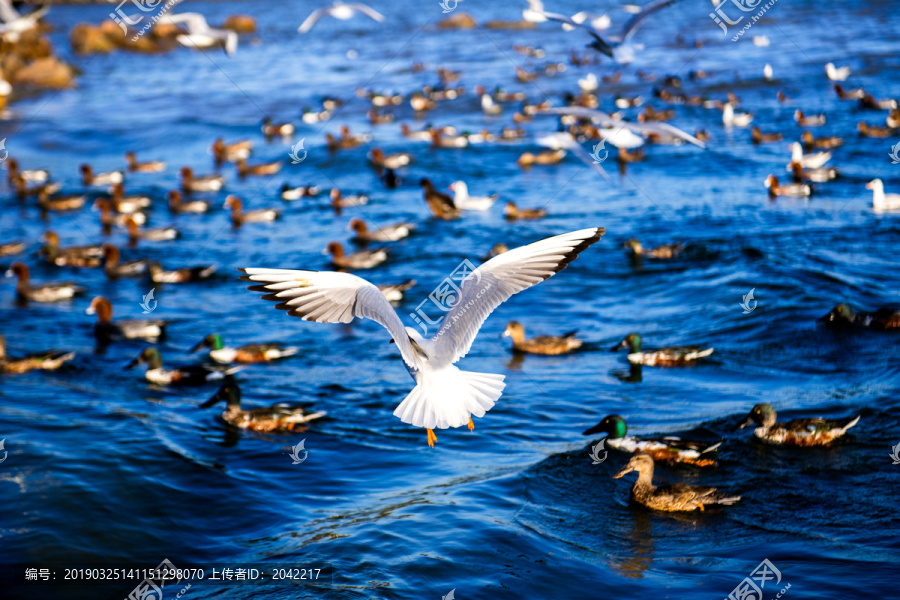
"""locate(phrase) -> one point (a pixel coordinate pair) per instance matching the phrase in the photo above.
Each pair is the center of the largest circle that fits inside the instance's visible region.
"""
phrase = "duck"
(791, 190)
(258, 170)
(843, 316)
(545, 157)
(820, 175)
(868, 101)
(384, 233)
(649, 114)
(181, 275)
(89, 178)
(43, 292)
(364, 259)
(664, 251)
(289, 193)
(239, 216)
(59, 202)
(893, 118)
(106, 330)
(441, 139)
(391, 161)
(670, 356)
(379, 118)
(276, 418)
(489, 106)
(156, 234)
(882, 202)
(108, 219)
(813, 160)
(153, 166)
(625, 158)
(394, 292)
(69, 256)
(29, 175)
(822, 143)
(339, 201)
(804, 120)
(246, 354)
(231, 152)
(511, 212)
(759, 137)
(836, 73)
(874, 131)
(47, 361)
(496, 250)
(184, 375)
(12, 248)
(127, 204)
(423, 135)
(678, 497)
(797, 432)
(114, 269)
(667, 449)
(178, 205)
(730, 118)
(543, 344)
(24, 191)
(207, 183)
(271, 129)
(854, 94)
(463, 201)
(420, 103)
(440, 204)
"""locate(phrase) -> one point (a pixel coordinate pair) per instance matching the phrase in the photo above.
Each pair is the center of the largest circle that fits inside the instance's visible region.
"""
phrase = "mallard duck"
(207, 183)
(185, 375)
(758, 137)
(791, 190)
(542, 344)
(843, 317)
(156, 234)
(665, 251)
(178, 205)
(394, 292)
(43, 292)
(798, 432)
(223, 152)
(671, 356)
(270, 128)
(247, 354)
(511, 212)
(153, 166)
(295, 193)
(59, 202)
(115, 269)
(182, 275)
(390, 161)
(440, 204)
(128, 204)
(239, 216)
(545, 157)
(12, 248)
(821, 143)
(262, 169)
(678, 497)
(279, 417)
(106, 330)
(70, 256)
(48, 361)
(804, 120)
(441, 139)
(668, 449)
(89, 178)
(384, 233)
(364, 259)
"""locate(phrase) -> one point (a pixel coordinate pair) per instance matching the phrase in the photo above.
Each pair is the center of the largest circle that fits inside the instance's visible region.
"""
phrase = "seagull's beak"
(869, 186)
(623, 471)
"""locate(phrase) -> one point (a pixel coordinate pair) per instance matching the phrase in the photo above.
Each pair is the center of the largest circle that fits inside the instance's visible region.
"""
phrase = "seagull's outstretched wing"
(608, 122)
(637, 20)
(329, 297)
(193, 22)
(7, 13)
(366, 10)
(311, 19)
(565, 140)
(599, 43)
(491, 284)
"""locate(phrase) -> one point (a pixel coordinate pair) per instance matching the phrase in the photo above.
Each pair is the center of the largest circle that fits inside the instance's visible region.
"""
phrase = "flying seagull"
(607, 122)
(199, 34)
(444, 396)
(13, 23)
(614, 46)
(342, 11)
(565, 140)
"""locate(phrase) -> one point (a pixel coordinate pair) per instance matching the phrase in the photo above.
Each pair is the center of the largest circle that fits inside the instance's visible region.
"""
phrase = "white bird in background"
(807, 161)
(340, 11)
(199, 34)
(597, 22)
(836, 74)
(607, 122)
(535, 12)
(13, 23)
(462, 199)
(760, 41)
(589, 83)
(564, 140)
(767, 72)
(730, 118)
(882, 202)
(444, 396)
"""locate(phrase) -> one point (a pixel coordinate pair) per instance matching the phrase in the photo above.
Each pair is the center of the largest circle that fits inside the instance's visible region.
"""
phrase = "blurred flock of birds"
(27, 62)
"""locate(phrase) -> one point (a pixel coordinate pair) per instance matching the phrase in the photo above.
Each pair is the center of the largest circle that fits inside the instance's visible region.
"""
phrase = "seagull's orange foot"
(700, 505)
(431, 437)
(471, 425)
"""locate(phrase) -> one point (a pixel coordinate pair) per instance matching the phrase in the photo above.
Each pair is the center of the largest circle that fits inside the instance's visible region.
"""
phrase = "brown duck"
(542, 344)
(44, 292)
(48, 361)
(440, 204)
(511, 212)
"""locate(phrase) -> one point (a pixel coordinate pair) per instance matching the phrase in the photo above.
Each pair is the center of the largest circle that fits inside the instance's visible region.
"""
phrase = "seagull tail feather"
(448, 397)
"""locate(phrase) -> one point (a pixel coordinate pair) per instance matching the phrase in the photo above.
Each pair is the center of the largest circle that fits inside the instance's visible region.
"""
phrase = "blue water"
(102, 468)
